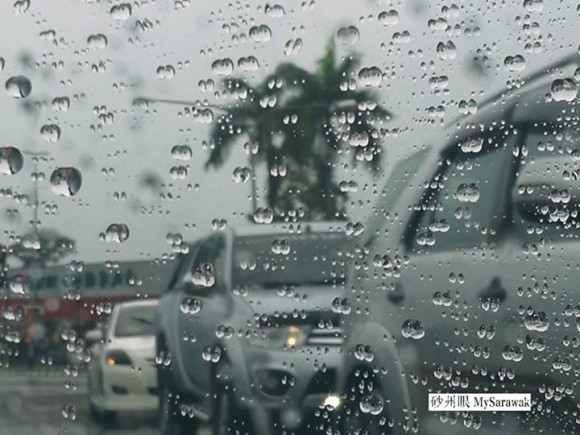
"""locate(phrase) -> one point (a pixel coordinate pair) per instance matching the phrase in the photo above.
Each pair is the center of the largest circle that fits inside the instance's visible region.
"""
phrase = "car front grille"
(325, 337)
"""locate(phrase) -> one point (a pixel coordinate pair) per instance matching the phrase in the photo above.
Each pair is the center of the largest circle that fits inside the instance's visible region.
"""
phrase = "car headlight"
(279, 337)
(118, 358)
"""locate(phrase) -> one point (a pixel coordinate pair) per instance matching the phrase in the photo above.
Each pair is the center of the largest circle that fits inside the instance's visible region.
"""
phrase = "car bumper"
(295, 382)
(125, 389)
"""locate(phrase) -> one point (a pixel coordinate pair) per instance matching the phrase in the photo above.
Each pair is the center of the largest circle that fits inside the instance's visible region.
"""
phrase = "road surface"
(47, 402)
(39, 403)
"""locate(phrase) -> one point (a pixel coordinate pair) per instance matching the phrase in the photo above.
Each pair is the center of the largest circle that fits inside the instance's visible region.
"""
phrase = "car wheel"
(227, 418)
(101, 416)
(171, 419)
(97, 414)
(364, 410)
(94, 412)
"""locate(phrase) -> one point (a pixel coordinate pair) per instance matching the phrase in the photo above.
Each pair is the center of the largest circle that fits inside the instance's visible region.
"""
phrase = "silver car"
(470, 269)
(247, 333)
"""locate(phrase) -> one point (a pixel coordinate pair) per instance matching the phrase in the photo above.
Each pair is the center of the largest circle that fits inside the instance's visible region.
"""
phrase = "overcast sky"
(191, 37)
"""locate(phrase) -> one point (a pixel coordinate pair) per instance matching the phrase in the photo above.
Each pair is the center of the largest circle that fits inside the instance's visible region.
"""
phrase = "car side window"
(461, 202)
(546, 193)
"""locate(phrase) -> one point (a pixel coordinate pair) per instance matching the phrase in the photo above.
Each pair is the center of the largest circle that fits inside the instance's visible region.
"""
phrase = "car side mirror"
(93, 336)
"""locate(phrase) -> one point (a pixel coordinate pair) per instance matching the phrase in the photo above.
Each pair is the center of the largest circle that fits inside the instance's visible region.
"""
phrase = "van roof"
(523, 104)
(529, 99)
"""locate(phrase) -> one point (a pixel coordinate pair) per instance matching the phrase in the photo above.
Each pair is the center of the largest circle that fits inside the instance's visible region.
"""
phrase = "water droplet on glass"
(372, 403)
(117, 233)
(211, 354)
(66, 181)
(11, 160)
(274, 11)
(181, 152)
(472, 145)
(534, 5)
(515, 63)
(389, 18)
(537, 321)
(219, 224)
(191, 305)
(564, 89)
(50, 132)
(446, 50)
(468, 107)
(468, 192)
(204, 276)
(18, 87)
(354, 229)
(69, 411)
(512, 353)
(19, 284)
(61, 104)
(264, 215)
(348, 36)
(371, 76)
(442, 299)
(413, 329)
(48, 35)
(249, 63)
(241, 174)
(21, 6)
(293, 46)
(97, 41)
(165, 72)
(121, 12)
(280, 247)
(261, 33)
(223, 67)
(340, 305)
(178, 172)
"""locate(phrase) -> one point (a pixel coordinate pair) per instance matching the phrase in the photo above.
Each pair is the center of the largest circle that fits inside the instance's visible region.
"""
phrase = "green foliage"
(302, 122)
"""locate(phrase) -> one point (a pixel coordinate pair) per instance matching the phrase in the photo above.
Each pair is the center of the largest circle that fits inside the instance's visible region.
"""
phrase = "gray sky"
(139, 141)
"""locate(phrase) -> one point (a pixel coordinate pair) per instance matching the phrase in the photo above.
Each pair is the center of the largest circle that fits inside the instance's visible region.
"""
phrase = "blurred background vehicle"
(121, 372)
(248, 331)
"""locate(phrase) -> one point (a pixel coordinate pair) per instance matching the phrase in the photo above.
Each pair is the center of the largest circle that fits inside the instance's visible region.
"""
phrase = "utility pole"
(36, 155)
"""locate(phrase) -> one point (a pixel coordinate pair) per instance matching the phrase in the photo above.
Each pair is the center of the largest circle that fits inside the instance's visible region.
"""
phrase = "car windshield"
(289, 259)
(135, 321)
(346, 210)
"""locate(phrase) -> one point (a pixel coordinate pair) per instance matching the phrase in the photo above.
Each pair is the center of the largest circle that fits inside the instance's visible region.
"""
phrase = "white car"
(471, 265)
(122, 373)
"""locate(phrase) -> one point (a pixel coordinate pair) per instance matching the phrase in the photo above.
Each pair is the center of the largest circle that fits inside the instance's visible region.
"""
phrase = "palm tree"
(301, 122)
(332, 117)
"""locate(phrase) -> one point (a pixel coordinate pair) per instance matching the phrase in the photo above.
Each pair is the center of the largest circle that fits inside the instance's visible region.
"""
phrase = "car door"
(449, 296)
(542, 258)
